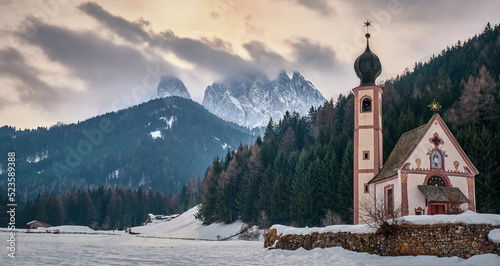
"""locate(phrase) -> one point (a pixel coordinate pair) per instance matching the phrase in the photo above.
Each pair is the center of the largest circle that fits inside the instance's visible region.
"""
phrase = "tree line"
(102, 208)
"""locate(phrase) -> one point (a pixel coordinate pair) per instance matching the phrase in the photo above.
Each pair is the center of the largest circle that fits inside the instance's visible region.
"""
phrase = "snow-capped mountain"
(172, 86)
(252, 100)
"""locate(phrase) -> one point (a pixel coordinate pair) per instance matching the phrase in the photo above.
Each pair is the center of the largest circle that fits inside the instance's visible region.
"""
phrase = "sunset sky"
(65, 60)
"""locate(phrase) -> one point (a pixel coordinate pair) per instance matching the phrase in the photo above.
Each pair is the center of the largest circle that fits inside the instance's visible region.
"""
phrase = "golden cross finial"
(434, 106)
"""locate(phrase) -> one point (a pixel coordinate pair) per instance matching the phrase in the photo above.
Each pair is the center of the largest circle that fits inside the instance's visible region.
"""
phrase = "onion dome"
(367, 65)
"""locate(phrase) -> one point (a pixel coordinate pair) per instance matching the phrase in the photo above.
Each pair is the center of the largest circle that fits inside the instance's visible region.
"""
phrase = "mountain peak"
(172, 86)
(252, 100)
(297, 76)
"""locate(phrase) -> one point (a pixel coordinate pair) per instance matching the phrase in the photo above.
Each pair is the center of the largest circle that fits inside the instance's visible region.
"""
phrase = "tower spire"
(367, 65)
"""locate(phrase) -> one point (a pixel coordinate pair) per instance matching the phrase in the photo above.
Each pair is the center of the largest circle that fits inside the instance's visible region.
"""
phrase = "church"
(426, 173)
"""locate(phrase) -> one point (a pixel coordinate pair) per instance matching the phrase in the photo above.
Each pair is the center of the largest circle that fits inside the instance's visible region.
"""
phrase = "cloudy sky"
(68, 60)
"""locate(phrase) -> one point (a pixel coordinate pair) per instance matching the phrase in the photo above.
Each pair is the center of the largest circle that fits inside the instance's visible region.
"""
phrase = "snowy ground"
(125, 249)
(51, 249)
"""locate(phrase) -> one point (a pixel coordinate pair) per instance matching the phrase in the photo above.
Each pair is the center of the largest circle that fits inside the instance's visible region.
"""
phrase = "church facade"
(426, 173)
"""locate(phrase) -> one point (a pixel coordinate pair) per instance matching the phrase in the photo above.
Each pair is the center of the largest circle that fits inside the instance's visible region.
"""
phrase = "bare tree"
(331, 218)
(377, 214)
(263, 220)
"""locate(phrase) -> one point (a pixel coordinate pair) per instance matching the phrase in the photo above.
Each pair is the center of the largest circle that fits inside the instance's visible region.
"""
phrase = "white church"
(427, 171)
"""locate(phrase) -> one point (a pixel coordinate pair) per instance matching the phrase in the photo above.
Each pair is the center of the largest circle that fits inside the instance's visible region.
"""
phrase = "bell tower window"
(366, 105)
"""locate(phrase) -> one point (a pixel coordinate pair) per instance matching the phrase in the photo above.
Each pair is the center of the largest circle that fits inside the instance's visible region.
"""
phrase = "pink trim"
(471, 192)
(442, 159)
(419, 209)
(436, 135)
(366, 155)
(404, 200)
(361, 103)
(386, 180)
(386, 188)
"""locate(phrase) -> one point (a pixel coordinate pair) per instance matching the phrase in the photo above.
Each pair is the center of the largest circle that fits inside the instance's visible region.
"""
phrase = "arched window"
(436, 181)
(366, 105)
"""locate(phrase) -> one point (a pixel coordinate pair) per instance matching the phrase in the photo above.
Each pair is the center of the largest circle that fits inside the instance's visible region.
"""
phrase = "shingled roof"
(443, 194)
(401, 151)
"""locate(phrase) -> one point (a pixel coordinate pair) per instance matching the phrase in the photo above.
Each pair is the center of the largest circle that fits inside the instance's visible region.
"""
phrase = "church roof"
(443, 194)
(401, 151)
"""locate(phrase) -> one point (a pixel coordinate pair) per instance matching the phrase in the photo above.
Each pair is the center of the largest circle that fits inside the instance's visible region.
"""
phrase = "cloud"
(131, 31)
(212, 55)
(320, 6)
(264, 57)
(312, 54)
(30, 87)
(110, 72)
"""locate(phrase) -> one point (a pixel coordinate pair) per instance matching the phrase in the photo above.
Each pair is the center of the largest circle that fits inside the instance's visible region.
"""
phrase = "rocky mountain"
(172, 86)
(160, 144)
(252, 100)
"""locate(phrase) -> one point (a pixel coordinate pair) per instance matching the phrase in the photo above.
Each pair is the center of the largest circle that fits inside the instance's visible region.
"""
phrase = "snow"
(224, 146)
(50, 249)
(468, 217)
(358, 229)
(65, 228)
(155, 134)
(186, 226)
(169, 121)
(37, 157)
(114, 174)
(494, 235)
(126, 249)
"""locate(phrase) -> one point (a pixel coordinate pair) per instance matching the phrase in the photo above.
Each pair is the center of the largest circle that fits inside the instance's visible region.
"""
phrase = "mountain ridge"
(252, 100)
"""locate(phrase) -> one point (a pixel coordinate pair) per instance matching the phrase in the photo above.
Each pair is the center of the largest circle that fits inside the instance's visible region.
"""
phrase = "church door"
(437, 209)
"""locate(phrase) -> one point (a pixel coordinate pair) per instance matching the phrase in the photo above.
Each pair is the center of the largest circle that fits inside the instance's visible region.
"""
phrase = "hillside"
(159, 144)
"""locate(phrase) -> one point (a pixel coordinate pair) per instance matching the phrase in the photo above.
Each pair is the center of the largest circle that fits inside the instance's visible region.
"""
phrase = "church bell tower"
(367, 125)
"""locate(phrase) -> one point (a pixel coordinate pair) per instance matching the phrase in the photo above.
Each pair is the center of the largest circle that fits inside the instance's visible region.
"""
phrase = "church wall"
(461, 183)
(380, 188)
(366, 144)
(415, 198)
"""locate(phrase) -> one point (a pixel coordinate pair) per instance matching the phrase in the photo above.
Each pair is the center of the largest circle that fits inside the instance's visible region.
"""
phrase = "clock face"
(435, 181)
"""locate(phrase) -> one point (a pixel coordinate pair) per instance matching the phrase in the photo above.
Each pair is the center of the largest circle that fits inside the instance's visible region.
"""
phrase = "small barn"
(35, 224)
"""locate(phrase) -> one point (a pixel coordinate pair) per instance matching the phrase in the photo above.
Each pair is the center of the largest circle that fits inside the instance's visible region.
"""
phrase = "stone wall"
(442, 240)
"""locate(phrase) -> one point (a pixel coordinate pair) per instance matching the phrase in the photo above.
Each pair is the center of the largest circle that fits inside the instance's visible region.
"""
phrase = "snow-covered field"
(125, 249)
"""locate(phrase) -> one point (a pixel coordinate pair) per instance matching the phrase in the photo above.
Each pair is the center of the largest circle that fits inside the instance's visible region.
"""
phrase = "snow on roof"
(468, 217)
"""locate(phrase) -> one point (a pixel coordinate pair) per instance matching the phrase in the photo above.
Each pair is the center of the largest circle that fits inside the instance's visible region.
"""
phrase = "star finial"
(367, 25)
(434, 106)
